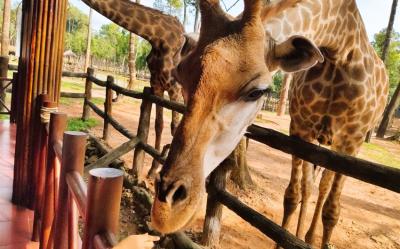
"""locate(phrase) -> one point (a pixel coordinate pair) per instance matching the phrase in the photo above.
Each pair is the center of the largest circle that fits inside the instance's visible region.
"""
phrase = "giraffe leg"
(324, 187)
(306, 190)
(159, 125)
(174, 93)
(292, 193)
(331, 209)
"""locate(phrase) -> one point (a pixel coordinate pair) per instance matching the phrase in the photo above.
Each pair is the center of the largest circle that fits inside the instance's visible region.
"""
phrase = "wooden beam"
(108, 158)
(266, 226)
(374, 173)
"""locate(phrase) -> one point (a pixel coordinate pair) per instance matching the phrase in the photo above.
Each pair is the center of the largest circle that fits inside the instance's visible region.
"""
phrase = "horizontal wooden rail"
(266, 226)
(97, 81)
(125, 132)
(72, 95)
(64, 73)
(171, 105)
(374, 173)
(78, 189)
(126, 92)
(74, 75)
(112, 121)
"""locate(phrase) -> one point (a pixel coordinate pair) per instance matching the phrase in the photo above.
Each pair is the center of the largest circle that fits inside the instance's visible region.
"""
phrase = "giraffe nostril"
(180, 194)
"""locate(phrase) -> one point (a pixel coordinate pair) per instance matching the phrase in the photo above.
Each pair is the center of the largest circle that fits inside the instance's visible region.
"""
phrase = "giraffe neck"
(148, 23)
(333, 25)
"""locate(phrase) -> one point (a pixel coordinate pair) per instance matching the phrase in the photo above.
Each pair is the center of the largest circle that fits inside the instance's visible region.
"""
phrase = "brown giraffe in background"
(336, 100)
(335, 103)
(165, 34)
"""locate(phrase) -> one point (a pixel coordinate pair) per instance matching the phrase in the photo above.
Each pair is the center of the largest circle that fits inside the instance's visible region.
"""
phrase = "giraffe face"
(224, 80)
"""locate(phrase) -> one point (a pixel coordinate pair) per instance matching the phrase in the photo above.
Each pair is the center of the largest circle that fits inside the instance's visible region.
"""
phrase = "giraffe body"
(334, 103)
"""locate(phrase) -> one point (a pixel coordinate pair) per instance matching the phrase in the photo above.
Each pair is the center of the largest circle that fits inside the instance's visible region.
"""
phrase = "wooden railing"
(62, 195)
(366, 171)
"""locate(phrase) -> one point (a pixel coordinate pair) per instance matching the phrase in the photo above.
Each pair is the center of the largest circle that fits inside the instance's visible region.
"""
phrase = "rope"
(45, 113)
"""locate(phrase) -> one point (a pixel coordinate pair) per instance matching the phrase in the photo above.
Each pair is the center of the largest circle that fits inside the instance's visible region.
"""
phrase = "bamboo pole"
(40, 170)
(73, 159)
(104, 198)
(41, 56)
(58, 123)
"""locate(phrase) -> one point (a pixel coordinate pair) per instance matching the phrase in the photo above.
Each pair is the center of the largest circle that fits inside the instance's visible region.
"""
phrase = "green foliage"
(111, 43)
(277, 82)
(172, 7)
(76, 30)
(142, 51)
(77, 124)
(4, 117)
(393, 58)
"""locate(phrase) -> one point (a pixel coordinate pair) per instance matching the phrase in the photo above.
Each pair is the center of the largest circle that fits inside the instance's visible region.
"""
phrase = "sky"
(374, 12)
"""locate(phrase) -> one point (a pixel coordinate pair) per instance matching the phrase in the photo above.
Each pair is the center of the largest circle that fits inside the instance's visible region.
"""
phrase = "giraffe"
(168, 40)
(338, 93)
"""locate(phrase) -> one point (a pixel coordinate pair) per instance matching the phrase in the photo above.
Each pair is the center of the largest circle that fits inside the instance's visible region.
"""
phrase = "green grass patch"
(4, 117)
(76, 86)
(380, 155)
(77, 124)
(98, 101)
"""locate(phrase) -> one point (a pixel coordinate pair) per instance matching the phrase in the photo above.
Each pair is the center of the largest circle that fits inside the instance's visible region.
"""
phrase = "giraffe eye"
(254, 94)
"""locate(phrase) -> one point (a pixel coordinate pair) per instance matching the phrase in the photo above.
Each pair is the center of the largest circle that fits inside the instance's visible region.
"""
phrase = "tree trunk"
(284, 94)
(196, 28)
(389, 31)
(185, 17)
(5, 35)
(88, 41)
(389, 111)
(387, 115)
(240, 170)
(131, 61)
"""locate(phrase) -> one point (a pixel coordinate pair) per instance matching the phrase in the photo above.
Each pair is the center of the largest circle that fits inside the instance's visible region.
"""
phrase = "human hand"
(140, 241)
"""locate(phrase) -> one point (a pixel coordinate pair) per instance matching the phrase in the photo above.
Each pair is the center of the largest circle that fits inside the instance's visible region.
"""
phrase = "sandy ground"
(370, 215)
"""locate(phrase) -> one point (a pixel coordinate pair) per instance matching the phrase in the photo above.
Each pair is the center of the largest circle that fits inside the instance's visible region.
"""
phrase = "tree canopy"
(393, 58)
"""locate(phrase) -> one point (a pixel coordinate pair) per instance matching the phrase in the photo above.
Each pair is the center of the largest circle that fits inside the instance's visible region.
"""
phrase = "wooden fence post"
(212, 221)
(14, 98)
(142, 134)
(3, 83)
(108, 107)
(104, 199)
(58, 124)
(73, 159)
(88, 94)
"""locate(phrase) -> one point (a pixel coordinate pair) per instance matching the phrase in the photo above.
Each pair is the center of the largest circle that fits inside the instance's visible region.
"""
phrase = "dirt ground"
(370, 216)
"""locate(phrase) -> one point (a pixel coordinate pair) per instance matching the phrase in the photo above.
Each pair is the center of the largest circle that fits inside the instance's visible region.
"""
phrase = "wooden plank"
(97, 81)
(112, 121)
(266, 226)
(108, 158)
(374, 173)
(73, 95)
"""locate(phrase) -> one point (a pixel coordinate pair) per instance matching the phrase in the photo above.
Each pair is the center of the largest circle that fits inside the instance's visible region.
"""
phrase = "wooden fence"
(62, 195)
(366, 171)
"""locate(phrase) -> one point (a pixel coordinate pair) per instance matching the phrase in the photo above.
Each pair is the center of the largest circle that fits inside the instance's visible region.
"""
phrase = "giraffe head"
(224, 80)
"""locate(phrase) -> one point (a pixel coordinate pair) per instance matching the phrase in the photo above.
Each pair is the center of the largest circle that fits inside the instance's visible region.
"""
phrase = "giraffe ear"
(296, 54)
